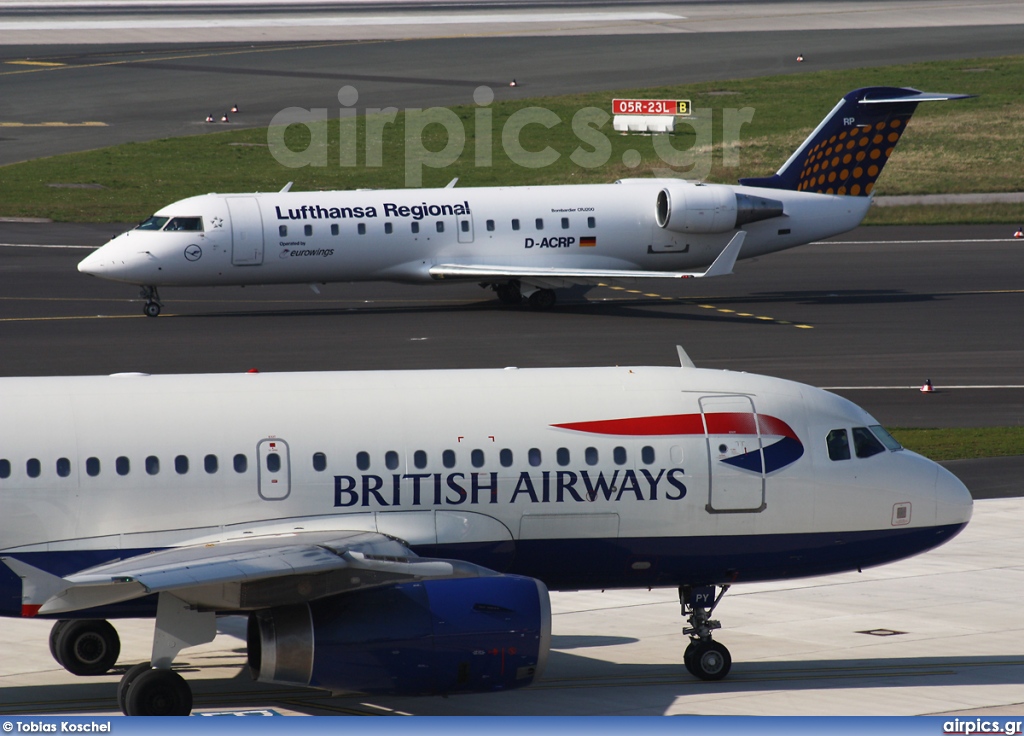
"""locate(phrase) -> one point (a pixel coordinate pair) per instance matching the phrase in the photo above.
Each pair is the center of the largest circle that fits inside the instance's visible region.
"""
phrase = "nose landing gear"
(153, 304)
(704, 658)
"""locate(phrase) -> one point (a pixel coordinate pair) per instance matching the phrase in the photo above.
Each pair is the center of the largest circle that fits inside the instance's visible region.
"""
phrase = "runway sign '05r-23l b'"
(524, 242)
(385, 536)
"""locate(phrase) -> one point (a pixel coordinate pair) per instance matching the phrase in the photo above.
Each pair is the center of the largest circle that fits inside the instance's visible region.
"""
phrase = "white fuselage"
(595, 477)
(398, 235)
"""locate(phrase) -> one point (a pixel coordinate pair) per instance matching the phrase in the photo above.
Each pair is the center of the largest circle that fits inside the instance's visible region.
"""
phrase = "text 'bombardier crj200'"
(385, 536)
(524, 242)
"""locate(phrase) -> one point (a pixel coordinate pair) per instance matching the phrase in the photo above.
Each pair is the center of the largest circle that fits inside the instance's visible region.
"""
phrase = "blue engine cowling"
(421, 638)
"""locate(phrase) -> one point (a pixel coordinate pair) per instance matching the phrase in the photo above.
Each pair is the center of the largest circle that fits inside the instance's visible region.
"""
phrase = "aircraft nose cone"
(91, 264)
(954, 502)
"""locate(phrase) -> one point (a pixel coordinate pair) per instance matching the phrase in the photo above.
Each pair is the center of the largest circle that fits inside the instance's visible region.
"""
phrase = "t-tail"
(846, 153)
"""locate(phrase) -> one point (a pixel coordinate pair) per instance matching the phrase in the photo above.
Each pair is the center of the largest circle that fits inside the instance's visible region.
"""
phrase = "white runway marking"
(34, 245)
(917, 387)
(341, 20)
(916, 242)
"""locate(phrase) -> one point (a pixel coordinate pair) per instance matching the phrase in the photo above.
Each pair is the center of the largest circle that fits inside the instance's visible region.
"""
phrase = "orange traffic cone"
(1019, 233)
(209, 118)
(234, 108)
(513, 83)
(224, 118)
(799, 57)
(927, 388)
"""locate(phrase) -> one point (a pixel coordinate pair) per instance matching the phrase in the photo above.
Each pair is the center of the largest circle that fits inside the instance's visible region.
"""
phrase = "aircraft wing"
(722, 266)
(242, 574)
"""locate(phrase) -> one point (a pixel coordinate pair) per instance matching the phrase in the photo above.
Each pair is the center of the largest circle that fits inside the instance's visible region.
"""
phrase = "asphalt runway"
(104, 94)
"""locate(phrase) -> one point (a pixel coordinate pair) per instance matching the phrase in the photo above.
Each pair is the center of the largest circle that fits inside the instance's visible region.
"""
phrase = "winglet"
(726, 259)
(37, 586)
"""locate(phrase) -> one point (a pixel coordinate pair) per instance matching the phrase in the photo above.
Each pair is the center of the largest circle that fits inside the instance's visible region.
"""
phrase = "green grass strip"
(955, 147)
(962, 443)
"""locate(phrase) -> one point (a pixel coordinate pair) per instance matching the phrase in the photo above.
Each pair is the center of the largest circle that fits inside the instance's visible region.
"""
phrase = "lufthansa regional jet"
(522, 242)
(385, 536)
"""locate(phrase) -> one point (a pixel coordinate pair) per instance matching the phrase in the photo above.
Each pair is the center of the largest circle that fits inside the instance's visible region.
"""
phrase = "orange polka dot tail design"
(846, 153)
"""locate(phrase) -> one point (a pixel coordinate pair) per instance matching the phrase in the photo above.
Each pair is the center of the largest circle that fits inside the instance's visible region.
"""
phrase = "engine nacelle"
(710, 208)
(420, 638)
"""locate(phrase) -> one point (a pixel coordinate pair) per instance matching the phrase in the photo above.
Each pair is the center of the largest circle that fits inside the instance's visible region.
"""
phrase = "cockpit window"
(887, 439)
(838, 445)
(865, 443)
(153, 223)
(192, 224)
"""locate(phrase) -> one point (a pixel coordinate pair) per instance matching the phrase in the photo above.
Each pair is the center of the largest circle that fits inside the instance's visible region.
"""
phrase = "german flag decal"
(588, 241)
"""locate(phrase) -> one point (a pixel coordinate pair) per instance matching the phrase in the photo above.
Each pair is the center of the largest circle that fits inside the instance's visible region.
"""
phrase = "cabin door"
(246, 231)
(273, 469)
(735, 455)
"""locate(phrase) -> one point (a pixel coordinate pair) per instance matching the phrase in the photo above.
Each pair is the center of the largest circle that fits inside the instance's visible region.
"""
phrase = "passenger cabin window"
(63, 467)
(448, 458)
(515, 224)
(210, 464)
(152, 465)
(505, 458)
(153, 223)
(590, 455)
(33, 468)
(865, 444)
(319, 462)
(464, 224)
(308, 230)
(477, 458)
(534, 456)
(273, 462)
(122, 465)
(5, 468)
(391, 460)
(565, 223)
(539, 222)
(838, 445)
(490, 226)
(415, 227)
(334, 229)
(619, 455)
(282, 231)
(363, 460)
(361, 228)
(440, 226)
(92, 466)
(388, 228)
(241, 463)
(591, 222)
(190, 224)
(181, 465)
(562, 456)
(419, 459)
(647, 454)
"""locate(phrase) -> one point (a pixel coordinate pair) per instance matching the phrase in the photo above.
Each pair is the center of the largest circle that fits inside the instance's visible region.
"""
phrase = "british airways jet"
(386, 536)
(523, 242)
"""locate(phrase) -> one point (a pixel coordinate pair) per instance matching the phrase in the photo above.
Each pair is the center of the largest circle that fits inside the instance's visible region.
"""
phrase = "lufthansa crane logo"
(193, 253)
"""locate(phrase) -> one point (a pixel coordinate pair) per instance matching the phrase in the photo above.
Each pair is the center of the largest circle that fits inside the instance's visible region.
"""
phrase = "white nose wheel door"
(273, 469)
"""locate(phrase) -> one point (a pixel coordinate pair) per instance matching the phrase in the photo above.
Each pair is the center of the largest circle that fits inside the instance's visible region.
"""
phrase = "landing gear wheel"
(152, 309)
(158, 693)
(126, 682)
(54, 636)
(691, 649)
(88, 647)
(542, 299)
(709, 660)
(509, 293)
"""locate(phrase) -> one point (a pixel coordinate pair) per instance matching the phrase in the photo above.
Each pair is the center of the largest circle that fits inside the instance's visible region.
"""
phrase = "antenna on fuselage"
(684, 359)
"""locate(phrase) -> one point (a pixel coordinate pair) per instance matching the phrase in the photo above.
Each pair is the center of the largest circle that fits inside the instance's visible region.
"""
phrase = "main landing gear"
(85, 646)
(513, 292)
(153, 304)
(704, 657)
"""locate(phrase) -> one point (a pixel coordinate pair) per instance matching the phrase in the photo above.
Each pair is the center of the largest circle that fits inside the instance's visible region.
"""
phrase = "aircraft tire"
(126, 682)
(58, 626)
(152, 309)
(509, 293)
(542, 299)
(691, 648)
(158, 693)
(711, 660)
(87, 647)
